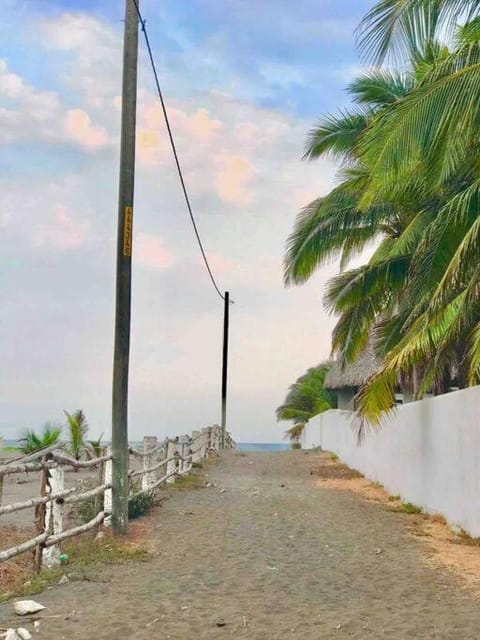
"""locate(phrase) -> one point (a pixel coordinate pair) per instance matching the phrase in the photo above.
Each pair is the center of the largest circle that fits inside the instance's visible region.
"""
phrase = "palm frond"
(336, 136)
(378, 88)
(398, 27)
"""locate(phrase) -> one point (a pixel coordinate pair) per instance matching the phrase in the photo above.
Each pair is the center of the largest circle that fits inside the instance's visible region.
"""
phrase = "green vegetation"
(140, 504)
(190, 481)
(77, 427)
(409, 507)
(306, 398)
(31, 441)
(409, 183)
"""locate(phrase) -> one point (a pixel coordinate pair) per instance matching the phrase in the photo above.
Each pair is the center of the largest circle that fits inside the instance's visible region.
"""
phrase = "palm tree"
(78, 428)
(435, 126)
(31, 441)
(307, 397)
(411, 184)
(294, 434)
(341, 224)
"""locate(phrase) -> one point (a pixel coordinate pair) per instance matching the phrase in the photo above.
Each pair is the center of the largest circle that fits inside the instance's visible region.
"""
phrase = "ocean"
(262, 446)
(241, 446)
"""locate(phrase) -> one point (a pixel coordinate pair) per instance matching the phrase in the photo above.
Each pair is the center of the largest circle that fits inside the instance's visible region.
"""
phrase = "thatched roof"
(355, 374)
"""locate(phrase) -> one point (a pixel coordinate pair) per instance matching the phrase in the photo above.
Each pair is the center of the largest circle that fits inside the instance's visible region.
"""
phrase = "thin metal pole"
(124, 274)
(225, 364)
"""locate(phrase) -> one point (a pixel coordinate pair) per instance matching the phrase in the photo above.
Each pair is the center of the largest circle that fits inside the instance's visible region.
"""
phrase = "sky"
(244, 82)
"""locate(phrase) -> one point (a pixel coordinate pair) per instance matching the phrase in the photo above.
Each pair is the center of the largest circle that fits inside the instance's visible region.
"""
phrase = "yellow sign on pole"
(127, 232)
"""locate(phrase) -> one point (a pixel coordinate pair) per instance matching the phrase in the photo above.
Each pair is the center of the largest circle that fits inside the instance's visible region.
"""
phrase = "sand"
(268, 562)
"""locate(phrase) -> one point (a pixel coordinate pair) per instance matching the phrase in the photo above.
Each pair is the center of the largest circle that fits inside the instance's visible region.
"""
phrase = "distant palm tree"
(95, 447)
(31, 442)
(294, 433)
(78, 427)
(307, 397)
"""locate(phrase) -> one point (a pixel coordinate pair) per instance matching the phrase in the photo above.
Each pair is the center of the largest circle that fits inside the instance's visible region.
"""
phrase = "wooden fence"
(155, 465)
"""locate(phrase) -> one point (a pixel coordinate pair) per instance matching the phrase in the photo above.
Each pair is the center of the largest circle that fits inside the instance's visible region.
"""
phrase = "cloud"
(80, 129)
(63, 231)
(35, 114)
(233, 180)
(150, 252)
(94, 49)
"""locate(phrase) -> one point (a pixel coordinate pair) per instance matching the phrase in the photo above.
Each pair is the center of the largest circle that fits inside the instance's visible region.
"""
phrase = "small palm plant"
(31, 441)
(294, 434)
(95, 448)
(78, 427)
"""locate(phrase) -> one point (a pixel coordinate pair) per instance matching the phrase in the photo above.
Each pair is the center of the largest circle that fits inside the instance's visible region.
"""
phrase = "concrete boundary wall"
(428, 453)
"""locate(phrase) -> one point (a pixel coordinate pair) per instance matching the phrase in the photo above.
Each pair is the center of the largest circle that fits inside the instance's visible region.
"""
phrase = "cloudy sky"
(245, 80)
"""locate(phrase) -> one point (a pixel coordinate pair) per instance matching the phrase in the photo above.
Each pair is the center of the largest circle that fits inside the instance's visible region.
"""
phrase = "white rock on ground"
(17, 634)
(22, 607)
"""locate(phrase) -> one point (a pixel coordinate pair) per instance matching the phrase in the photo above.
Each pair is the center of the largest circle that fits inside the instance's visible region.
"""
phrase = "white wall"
(428, 452)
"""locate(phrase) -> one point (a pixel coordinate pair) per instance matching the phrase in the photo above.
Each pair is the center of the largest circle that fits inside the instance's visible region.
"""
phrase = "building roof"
(355, 374)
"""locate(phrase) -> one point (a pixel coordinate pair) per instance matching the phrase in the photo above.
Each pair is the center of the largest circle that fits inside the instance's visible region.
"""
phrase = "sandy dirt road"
(268, 555)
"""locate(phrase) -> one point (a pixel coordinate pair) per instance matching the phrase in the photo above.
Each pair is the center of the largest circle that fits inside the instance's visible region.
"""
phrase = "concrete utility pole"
(124, 274)
(226, 318)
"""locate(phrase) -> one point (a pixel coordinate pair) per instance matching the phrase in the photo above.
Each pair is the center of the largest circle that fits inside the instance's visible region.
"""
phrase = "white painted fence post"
(53, 516)
(216, 437)
(184, 451)
(171, 465)
(195, 445)
(107, 496)
(204, 441)
(148, 479)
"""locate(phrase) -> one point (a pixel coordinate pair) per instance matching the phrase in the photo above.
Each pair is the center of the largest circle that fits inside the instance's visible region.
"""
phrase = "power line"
(174, 148)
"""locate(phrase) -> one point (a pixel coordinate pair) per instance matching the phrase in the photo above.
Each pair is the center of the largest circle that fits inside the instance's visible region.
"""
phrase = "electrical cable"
(174, 148)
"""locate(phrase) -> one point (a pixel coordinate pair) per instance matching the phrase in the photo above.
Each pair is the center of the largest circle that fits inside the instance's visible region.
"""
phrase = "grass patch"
(296, 445)
(86, 555)
(356, 474)
(10, 449)
(191, 481)
(466, 538)
(377, 485)
(333, 457)
(240, 454)
(409, 507)
(394, 498)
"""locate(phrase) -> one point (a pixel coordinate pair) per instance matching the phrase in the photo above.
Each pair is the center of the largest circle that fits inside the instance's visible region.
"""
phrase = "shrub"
(296, 445)
(30, 441)
(140, 503)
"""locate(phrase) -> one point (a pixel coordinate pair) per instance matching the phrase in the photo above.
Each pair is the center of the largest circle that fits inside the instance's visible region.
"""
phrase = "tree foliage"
(78, 427)
(307, 397)
(410, 185)
(31, 441)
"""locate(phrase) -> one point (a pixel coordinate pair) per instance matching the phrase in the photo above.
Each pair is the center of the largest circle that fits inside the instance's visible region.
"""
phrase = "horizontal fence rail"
(178, 456)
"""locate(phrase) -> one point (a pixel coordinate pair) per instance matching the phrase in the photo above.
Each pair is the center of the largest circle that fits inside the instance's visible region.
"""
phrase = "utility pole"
(226, 313)
(124, 274)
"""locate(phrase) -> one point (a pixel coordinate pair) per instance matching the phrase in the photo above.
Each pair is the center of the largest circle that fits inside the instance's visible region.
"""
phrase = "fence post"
(40, 510)
(205, 442)
(107, 496)
(184, 451)
(54, 516)
(195, 444)
(217, 438)
(172, 464)
(148, 479)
